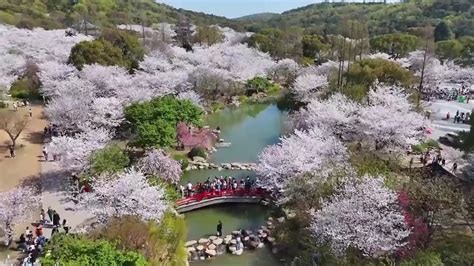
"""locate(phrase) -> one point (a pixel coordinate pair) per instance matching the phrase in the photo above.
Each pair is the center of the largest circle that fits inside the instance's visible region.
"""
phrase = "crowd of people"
(434, 159)
(218, 184)
(460, 117)
(449, 94)
(33, 243)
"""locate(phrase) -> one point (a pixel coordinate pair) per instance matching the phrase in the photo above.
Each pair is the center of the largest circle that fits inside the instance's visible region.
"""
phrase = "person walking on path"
(50, 214)
(30, 112)
(45, 153)
(455, 167)
(65, 226)
(219, 228)
(42, 219)
(56, 219)
(12, 151)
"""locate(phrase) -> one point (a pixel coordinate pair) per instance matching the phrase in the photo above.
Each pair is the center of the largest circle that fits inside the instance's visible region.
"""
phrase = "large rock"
(236, 233)
(199, 159)
(269, 223)
(212, 247)
(211, 252)
(227, 239)
(191, 243)
(281, 219)
(212, 238)
(203, 241)
(232, 249)
(238, 252)
(218, 241)
(191, 249)
(271, 239)
(233, 242)
(200, 248)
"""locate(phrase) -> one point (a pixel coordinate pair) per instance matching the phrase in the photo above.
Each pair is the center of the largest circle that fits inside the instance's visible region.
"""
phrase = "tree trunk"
(9, 233)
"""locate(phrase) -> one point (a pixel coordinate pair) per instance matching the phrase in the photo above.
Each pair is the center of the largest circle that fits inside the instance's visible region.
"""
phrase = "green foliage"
(397, 45)
(127, 41)
(260, 84)
(280, 43)
(59, 14)
(425, 146)
(468, 50)
(95, 52)
(455, 249)
(365, 162)
(315, 47)
(442, 32)
(154, 122)
(449, 50)
(197, 151)
(111, 159)
(27, 87)
(208, 35)
(367, 71)
(161, 244)
(171, 193)
(77, 250)
(424, 258)
(182, 159)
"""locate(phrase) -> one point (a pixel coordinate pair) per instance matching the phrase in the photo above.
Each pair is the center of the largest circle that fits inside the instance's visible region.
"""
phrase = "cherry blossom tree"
(389, 121)
(284, 72)
(363, 214)
(128, 193)
(73, 152)
(17, 206)
(309, 151)
(157, 163)
(307, 87)
(337, 114)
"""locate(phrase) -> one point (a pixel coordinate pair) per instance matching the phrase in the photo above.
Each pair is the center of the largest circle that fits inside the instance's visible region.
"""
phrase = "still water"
(249, 129)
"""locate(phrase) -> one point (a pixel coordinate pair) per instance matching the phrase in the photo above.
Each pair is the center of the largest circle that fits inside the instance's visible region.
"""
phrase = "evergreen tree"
(442, 32)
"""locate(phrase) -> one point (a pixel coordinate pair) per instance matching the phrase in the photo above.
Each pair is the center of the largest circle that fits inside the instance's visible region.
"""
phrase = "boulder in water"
(191, 243)
(211, 252)
(203, 241)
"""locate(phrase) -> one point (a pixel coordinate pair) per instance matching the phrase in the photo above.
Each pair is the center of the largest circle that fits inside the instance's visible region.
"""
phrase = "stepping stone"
(191, 250)
(232, 248)
(218, 241)
(271, 239)
(270, 219)
(233, 242)
(212, 238)
(212, 247)
(236, 232)
(210, 252)
(281, 219)
(191, 243)
(203, 241)
(200, 248)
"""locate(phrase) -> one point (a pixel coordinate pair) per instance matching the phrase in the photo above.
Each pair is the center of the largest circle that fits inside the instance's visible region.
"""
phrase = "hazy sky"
(238, 8)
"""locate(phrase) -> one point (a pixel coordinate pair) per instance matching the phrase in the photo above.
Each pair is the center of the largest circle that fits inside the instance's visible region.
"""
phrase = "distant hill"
(51, 14)
(259, 16)
(381, 18)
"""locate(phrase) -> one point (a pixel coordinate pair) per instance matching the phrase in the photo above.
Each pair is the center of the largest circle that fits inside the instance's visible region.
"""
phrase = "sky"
(238, 8)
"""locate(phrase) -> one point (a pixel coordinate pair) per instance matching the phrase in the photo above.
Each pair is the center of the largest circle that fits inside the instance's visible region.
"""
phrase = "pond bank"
(250, 129)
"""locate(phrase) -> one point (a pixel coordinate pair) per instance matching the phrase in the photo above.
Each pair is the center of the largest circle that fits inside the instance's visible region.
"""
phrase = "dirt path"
(26, 165)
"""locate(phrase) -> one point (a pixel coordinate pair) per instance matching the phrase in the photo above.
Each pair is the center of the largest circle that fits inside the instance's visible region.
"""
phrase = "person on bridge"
(219, 228)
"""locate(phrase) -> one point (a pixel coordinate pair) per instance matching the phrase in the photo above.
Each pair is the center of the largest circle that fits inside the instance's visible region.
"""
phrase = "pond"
(250, 129)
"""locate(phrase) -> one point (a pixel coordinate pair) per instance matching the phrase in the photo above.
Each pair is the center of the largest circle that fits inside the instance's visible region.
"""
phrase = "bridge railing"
(239, 192)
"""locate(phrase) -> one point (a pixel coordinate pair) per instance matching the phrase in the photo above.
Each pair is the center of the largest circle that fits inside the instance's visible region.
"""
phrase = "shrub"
(154, 122)
(197, 151)
(77, 250)
(111, 159)
(182, 159)
(161, 244)
(99, 51)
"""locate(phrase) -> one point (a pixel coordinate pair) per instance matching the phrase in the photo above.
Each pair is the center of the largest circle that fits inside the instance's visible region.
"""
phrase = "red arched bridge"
(204, 199)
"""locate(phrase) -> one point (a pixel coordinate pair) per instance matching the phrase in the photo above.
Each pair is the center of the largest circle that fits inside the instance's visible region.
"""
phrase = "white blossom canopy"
(128, 193)
(364, 214)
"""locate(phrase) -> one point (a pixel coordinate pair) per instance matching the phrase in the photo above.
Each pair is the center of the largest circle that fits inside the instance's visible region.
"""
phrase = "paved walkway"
(55, 195)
